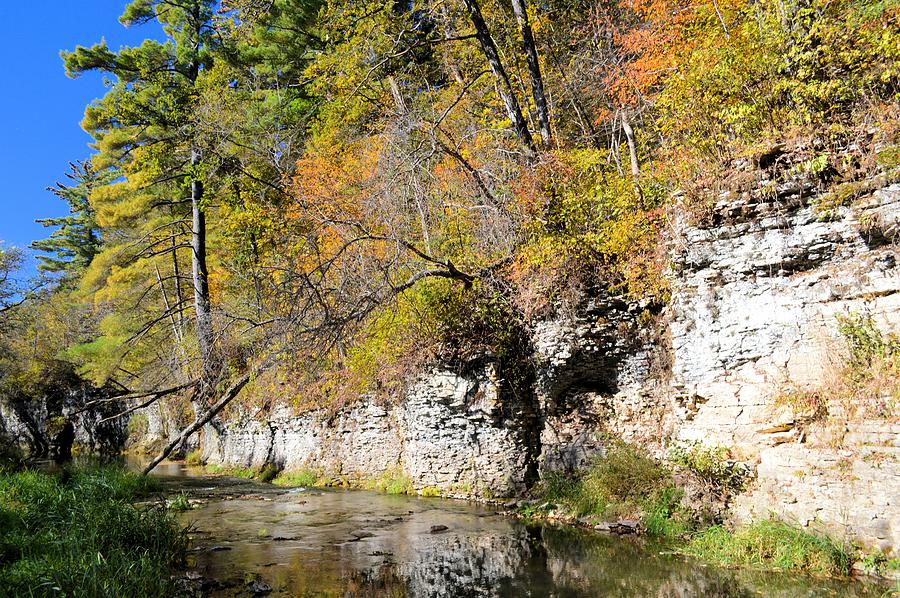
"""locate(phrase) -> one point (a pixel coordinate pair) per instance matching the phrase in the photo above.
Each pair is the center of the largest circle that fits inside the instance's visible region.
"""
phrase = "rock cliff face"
(755, 294)
(454, 431)
(41, 426)
(753, 317)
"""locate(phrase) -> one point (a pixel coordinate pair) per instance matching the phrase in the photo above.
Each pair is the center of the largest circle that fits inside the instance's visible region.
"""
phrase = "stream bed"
(256, 539)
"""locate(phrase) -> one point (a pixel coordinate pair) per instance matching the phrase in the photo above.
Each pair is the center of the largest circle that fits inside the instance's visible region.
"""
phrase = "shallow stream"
(253, 538)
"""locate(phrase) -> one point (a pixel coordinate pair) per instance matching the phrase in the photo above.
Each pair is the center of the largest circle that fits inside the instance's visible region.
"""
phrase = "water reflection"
(336, 543)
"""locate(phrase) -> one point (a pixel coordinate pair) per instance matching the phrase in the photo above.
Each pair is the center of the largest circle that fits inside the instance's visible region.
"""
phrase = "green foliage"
(771, 544)
(195, 457)
(663, 515)
(711, 465)
(246, 473)
(369, 210)
(587, 220)
(871, 377)
(430, 492)
(10, 262)
(776, 68)
(626, 482)
(866, 343)
(879, 563)
(626, 475)
(392, 481)
(268, 473)
(72, 247)
(308, 478)
(78, 534)
(180, 503)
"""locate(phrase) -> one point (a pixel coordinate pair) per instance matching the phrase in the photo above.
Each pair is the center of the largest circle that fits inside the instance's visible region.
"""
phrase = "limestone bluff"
(756, 289)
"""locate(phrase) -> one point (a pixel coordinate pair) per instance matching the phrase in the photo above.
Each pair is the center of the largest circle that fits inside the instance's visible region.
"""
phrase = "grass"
(771, 544)
(626, 482)
(878, 563)
(300, 478)
(430, 492)
(195, 457)
(246, 473)
(77, 534)
(265, 474)
(180, 503)
(392, 481)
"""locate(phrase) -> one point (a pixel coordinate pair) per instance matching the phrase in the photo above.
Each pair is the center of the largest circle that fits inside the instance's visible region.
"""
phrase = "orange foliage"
(648, 37)
(330, 181)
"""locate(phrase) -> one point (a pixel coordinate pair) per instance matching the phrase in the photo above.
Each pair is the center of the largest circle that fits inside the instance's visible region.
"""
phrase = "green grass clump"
(392, 481)
(180, 503)
(663, 516)
(267, 474)
(77, 534)
(626, 482)
(431, 492)
(300, 477)
(246, 473)
(195, 457)
(617, 484)
(771, 544)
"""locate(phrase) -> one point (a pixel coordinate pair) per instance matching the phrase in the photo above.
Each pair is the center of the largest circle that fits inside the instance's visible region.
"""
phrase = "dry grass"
(860, 380)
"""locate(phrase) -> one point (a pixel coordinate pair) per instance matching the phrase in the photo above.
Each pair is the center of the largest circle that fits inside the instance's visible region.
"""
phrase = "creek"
(250, 538)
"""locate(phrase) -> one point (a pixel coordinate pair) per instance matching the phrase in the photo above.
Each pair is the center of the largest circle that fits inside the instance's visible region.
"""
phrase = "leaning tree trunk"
(483, 35)
(534, 70)
(203, 418)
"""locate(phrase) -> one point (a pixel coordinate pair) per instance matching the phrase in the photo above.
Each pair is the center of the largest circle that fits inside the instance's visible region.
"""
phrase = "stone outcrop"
(51, 424)
(455, 431)
(754, 317)
(755, 303)
(755, 292)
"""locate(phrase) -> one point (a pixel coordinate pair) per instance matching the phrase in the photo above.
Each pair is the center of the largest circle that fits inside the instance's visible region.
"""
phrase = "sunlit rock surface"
(752, 315)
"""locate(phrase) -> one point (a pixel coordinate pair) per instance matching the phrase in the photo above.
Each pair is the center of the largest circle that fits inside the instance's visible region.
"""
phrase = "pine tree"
(145, 127)
(70, 248)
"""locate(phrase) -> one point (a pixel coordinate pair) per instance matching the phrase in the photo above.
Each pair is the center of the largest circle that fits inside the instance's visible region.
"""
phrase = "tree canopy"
(332, 193)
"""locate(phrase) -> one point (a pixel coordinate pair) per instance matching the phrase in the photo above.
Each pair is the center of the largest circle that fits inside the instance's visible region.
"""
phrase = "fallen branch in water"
(203, 419)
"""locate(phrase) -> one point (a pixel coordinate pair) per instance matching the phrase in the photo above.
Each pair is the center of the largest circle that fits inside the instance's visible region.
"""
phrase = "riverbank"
(78, 532)
(681, 505)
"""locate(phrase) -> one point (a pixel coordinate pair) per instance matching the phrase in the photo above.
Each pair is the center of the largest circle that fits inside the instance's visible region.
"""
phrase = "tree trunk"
(201, 277)
(483, 34)
(534, 70)
(179, 295)
(632, 152)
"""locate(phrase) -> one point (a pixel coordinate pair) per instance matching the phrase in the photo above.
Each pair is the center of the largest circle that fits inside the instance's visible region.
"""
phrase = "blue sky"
(41, 108)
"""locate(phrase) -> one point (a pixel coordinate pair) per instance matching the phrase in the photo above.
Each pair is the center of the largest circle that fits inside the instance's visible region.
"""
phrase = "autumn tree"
(10, 262)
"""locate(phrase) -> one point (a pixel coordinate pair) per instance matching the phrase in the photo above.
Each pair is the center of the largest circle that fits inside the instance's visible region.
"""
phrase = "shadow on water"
(250, 538)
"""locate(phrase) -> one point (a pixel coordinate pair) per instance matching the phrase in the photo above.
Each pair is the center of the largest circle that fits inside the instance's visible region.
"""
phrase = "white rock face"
(452, 432)
(753, 316)
(754, 309)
